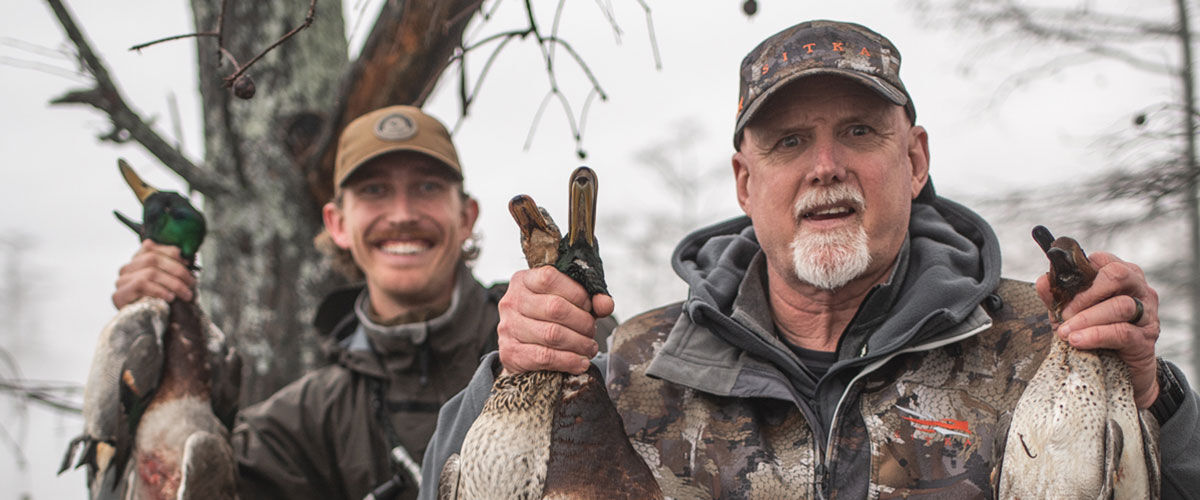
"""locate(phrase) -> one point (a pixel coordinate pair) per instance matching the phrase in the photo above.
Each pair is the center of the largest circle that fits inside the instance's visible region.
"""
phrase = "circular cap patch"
(395, 127)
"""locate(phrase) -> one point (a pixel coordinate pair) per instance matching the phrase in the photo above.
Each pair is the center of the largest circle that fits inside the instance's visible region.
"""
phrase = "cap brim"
(883, 88)
(401, 148)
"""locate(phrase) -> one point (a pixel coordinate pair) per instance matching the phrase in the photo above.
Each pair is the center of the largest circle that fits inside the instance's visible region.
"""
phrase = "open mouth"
(829, 212)
(403, 247)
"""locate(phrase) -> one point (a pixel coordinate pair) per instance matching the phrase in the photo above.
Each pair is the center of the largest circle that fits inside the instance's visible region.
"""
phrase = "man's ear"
(741, 177)
(918, 158)
(335, 223)
(470, 214)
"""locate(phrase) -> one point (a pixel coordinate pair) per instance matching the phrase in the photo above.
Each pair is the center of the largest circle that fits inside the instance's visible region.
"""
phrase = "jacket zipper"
(822, 469)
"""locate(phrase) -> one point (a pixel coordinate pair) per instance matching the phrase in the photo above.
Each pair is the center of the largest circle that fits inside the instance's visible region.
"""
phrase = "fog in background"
(60, 247)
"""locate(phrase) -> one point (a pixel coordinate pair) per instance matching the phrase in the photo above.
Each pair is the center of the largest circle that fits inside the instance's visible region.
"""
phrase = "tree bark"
(262, 277)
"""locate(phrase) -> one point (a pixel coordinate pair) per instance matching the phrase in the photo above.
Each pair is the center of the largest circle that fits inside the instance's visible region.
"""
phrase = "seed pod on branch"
(243, 87)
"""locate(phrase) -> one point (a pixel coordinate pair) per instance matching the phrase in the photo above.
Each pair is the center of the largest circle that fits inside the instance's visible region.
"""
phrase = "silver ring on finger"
(1138, 311)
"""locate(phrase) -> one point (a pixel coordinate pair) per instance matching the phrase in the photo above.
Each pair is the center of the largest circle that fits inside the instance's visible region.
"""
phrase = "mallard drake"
(163, 386)
(1076, 432)
(550, 434)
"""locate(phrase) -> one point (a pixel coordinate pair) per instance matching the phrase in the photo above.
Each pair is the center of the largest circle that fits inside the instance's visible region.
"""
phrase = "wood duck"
(163, 387)
(551, 434)
(1076, 432)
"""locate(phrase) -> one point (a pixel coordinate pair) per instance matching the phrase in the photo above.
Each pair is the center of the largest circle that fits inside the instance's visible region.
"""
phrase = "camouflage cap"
(388, 130)
(815, 48)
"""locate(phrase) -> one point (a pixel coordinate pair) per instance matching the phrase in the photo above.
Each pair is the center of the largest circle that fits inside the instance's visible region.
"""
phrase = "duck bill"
(139, 187)
(1062, 262)
(581, 227)
(529, 216)
(1043, 237)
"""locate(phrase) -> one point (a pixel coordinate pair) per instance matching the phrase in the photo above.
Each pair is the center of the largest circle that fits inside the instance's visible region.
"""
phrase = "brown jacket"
(321, 437)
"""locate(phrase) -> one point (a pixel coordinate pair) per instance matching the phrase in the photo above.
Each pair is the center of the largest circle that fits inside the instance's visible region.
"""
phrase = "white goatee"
(830, 259)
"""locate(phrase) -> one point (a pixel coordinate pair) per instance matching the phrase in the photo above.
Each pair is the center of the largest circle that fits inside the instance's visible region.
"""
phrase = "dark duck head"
(167, 217)
(1070, 270)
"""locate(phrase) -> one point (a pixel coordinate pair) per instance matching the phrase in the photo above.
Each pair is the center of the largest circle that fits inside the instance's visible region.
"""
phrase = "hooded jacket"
(916, 405)
(329, 434)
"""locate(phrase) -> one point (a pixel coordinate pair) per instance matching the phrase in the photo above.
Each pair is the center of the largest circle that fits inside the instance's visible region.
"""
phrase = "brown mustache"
(402, 231)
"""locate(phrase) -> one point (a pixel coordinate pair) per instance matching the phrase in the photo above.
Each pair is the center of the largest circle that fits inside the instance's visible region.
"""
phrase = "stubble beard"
(829, 260)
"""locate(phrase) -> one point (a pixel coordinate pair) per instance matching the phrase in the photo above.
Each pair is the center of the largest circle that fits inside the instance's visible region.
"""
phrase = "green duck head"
(167, 217)
(579, 252)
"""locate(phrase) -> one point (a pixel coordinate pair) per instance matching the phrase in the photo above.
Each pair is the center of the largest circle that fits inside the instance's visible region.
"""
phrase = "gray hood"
(949, 264)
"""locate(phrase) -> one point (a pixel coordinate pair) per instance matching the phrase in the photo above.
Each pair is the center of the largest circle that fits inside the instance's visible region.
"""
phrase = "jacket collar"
(398, 345)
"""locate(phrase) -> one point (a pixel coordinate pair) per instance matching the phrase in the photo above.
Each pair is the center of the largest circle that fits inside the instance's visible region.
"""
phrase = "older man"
(851, 336)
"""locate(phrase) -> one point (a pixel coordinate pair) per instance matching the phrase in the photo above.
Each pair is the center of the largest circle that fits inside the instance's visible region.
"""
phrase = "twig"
(221, 29)
(48, 69)
(141, 46)
(548, 45)
(42, 396)
(308, 20)
(467, 11)
(653, 37)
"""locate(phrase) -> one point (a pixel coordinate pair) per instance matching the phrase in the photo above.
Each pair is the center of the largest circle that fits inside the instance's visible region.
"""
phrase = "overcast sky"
(61, 184)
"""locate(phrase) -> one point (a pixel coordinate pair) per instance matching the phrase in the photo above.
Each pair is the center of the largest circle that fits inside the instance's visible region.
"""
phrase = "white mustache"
(837, 194)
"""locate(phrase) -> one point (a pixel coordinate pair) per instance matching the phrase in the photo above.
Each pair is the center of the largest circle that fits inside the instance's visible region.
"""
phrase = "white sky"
(60, 184)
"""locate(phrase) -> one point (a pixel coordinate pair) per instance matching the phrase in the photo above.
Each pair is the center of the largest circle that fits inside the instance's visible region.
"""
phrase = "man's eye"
(429, 188)
(790, 141)
(859, 130)
(372, 189)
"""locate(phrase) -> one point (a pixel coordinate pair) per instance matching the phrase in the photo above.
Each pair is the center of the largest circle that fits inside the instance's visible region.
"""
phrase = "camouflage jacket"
(929, 421)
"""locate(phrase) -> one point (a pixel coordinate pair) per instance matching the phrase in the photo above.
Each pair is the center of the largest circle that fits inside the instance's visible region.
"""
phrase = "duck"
(163, 386)
(1076, 431)
(546, 434)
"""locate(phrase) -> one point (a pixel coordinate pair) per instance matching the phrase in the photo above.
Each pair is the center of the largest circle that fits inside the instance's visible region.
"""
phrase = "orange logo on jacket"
(928, 428)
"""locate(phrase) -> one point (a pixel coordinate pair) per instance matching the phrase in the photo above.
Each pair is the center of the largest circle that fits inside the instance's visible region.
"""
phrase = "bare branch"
(141, 46)
(48, 69)
(106, 97)
(468, 98)
(548, 45)
(221, 30)
(43, 395)
(537, 116)
(653, 37)
(308, 20)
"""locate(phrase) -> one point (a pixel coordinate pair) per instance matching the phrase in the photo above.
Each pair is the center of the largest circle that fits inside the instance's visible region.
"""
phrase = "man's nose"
(402, 208)
(827, 165)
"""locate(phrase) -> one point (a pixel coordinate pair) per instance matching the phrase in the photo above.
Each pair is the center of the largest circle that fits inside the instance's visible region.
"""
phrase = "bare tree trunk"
(261, 272)
(1192, 203)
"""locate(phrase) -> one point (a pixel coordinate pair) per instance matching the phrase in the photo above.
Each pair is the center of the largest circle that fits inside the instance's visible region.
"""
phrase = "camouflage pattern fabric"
(926, 424)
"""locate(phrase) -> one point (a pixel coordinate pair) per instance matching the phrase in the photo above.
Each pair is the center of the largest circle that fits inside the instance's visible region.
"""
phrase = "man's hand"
(547, 322)
(1099, 318)
(155, 271)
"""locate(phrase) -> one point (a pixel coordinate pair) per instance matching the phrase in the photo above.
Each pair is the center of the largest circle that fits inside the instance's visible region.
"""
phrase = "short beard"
(830, 259)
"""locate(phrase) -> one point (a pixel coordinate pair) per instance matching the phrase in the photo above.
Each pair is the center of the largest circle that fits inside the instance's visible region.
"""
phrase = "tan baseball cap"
(388, 130)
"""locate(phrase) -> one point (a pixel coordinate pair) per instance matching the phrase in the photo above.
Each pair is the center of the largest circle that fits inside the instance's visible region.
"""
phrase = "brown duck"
(1076, 432)
(550, 434)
